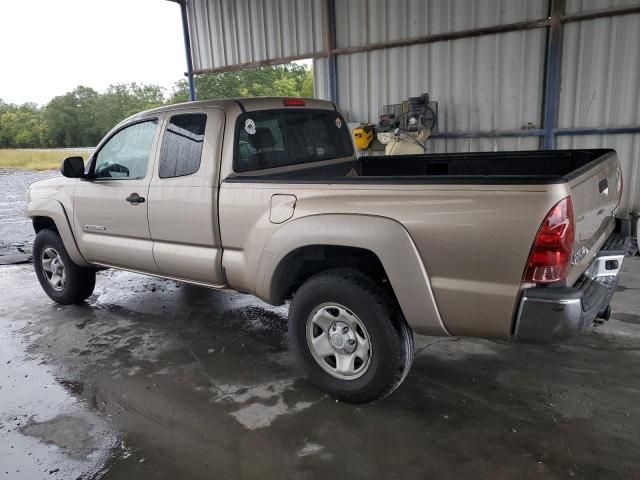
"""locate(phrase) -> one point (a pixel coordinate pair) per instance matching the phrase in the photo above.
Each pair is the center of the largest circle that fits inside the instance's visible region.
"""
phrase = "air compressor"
(402, 128)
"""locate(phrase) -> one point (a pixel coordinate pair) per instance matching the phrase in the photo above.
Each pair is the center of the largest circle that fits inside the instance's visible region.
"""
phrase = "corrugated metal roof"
(229, 32)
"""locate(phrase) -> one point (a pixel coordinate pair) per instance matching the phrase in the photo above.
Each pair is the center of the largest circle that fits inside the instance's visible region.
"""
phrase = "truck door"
(110, 208)
(183, 196)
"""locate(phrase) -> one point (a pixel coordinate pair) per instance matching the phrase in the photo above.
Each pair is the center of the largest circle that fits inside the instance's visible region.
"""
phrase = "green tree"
(83, 116)
(70, 119)
(289, 80)
(123, 100)
(21, 126)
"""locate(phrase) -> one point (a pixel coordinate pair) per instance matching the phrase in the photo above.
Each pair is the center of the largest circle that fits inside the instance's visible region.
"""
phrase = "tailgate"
(595, 191)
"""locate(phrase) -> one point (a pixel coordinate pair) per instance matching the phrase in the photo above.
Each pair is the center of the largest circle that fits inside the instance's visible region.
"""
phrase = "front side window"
(126, 154)
(278, 138)
(182, 145)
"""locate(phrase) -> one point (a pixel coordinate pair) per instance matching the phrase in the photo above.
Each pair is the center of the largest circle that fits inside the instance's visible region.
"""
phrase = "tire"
(345, 300)
(72, 283)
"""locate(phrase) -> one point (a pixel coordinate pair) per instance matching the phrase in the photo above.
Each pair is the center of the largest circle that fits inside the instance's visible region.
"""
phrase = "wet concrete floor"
(16, 231)
(153, 379)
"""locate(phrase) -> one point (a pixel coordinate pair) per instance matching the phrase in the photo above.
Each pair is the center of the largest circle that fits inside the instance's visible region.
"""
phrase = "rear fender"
(385, 237)
(56, 212)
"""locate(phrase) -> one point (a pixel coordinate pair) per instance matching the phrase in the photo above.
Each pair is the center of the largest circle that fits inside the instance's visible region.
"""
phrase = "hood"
(49, 188)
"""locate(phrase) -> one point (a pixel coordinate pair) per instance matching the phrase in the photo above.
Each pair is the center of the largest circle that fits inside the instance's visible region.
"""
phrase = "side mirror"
(72, 167)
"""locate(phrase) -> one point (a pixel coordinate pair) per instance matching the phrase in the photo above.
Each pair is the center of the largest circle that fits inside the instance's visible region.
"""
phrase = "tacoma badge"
(579, 255)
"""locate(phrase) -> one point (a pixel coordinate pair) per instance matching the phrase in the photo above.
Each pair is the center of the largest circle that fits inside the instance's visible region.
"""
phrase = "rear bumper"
(548, 315)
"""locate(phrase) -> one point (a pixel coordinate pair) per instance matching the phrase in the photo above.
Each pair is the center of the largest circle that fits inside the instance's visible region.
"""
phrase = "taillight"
(293, 102)
(550, 255)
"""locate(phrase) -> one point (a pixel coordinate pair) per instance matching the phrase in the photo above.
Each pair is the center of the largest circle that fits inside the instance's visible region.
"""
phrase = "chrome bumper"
(549, 315)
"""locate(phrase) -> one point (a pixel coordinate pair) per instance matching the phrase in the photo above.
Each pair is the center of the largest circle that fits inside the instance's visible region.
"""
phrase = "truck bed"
(523, 167)
(484, 203)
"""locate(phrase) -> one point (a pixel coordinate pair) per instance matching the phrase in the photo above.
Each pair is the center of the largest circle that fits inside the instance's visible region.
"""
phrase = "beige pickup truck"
(266, 196)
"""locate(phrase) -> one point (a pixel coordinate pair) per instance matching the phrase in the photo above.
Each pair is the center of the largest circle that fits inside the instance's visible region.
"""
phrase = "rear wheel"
(61, 279)
(349, 336)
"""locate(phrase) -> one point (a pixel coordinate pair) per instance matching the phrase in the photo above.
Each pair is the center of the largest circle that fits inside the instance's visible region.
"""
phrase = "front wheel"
(349, 336)
(61, 279)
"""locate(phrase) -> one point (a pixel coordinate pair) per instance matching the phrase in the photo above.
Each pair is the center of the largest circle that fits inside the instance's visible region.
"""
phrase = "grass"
(38, 158)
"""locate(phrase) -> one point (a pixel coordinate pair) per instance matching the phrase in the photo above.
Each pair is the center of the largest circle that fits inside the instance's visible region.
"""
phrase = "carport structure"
(507, 74)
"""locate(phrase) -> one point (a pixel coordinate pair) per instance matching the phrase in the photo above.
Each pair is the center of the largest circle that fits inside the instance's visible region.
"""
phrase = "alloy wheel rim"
(338, 341)
(53, 268)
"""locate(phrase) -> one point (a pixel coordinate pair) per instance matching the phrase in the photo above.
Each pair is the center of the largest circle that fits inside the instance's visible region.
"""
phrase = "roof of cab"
(244, 104)
(232, 105)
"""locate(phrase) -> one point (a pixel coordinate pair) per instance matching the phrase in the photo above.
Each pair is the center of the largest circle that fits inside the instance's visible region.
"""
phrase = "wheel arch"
(50, 214)
(41, 223)
(305, 261)
(363, 237)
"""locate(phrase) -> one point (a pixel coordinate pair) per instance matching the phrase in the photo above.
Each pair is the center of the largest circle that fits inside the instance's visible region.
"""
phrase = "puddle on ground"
(262, 404)
(45, 432)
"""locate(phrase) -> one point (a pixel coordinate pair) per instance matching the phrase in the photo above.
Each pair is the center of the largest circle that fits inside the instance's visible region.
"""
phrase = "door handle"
(135, 198)
(603, 186)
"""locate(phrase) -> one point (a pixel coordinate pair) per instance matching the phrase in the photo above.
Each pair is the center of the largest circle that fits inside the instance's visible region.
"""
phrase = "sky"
(48, 47)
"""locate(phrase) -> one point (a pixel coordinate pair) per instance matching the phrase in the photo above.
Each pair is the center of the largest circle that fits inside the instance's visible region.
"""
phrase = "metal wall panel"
(601, 73)
(601, 88)
(584, 6)
(359, 22)
(483, 83)
(320, 82)
(493, 82)
(229, 32)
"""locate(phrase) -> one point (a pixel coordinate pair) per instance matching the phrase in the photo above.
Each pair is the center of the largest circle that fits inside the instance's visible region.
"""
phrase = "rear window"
(277, 138)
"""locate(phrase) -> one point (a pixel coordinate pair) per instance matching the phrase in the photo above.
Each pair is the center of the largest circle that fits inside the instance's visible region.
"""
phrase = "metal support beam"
(607, 12)
(572, 132)
(261, 63)
(551, 100)
(332, 62)
(187, 49)
(540, 132)
(519, 133)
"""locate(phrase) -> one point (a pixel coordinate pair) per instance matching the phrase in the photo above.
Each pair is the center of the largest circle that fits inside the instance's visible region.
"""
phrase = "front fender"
(384, 237)
(53, 209)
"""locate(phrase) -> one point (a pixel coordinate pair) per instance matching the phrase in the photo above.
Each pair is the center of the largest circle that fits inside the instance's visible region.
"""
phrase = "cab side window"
(182, 142)
(125, 155)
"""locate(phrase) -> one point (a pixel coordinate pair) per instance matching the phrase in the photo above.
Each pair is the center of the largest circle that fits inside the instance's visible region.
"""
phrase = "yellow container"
(363, 136)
